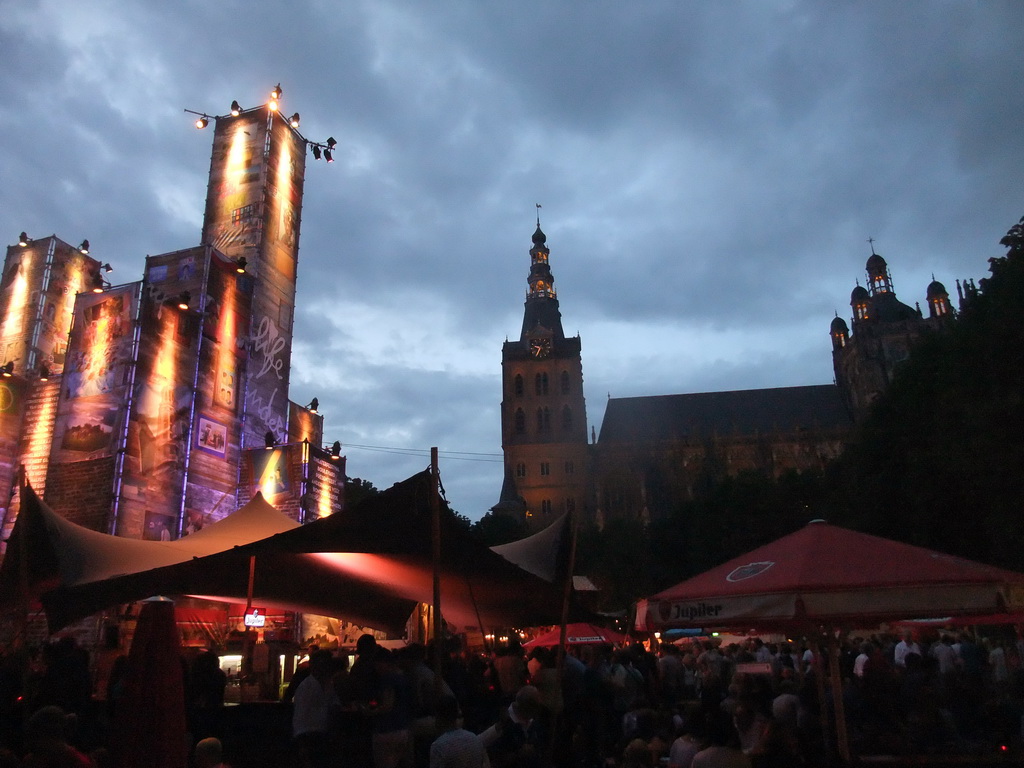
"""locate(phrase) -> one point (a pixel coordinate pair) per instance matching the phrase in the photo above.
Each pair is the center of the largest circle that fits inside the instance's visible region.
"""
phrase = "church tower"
(543, 413)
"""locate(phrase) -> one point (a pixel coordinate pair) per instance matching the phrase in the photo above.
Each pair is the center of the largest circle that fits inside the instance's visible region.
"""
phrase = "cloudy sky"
(710, 173)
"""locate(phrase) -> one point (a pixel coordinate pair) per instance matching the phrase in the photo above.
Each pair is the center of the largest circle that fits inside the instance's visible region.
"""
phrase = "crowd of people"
(692, 704)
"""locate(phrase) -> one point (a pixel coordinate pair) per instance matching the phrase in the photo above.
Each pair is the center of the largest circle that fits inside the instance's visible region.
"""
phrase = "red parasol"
(580, 633)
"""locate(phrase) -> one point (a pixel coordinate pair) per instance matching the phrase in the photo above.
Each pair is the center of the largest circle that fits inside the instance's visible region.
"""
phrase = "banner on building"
(94, 387)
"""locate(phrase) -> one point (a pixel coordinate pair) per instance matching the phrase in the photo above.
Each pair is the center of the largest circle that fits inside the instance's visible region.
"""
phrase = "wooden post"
(248, 640)
(25, 599)
(819, 682)
(839, 709)
(435, 516)
(567, 593)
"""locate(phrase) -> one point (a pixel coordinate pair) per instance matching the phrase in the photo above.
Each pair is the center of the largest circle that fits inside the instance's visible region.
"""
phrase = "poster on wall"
(326, 486)
(70, 272)
(234, 196)
(96, 373)
(270, 471)
(158, 434)
(304, 424)
(159, 527)
(212, 437)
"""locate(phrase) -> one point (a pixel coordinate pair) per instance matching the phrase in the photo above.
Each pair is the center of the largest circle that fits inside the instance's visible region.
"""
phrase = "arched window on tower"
(520, 470)
(545, 506)
(541, 384)
(566, 418)
(565, 382)
(520, 421)
(543, 419)
(517, 385)
(938, 299)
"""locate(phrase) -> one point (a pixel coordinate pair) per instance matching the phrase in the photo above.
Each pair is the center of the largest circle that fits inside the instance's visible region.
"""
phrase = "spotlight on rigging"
(313, 405)
(240, 265)
(96, 281)
(331, 143)
(44, 372)
(202, 122)
(184, 299)
(328, 156)
(107, 268)
(84, 247)
(269, 440)
(336, 450)
(7, 370)
(236, 110)
(293, 121)
(23, 239)
(316, 151)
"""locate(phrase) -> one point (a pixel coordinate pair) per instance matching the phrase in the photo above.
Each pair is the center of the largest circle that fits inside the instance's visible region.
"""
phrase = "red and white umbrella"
(580, 633)
(826, 575)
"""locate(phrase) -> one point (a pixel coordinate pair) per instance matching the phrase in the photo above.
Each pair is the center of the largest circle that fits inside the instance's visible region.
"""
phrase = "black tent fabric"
(371, 564)
(56, 551)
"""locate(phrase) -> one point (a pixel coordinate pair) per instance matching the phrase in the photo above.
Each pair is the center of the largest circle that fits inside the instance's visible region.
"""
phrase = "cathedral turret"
(878, 274)
(859, 301)
(840, 333)
(542, 317)
(938, 299)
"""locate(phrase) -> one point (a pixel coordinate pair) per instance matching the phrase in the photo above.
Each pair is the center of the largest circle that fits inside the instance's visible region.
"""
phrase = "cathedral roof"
(936, 289)
(510, 502)
(724, 414)
(876, 265)
(886, 308)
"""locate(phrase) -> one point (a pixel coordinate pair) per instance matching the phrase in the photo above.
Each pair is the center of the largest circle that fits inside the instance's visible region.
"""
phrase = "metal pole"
(247, 657)
(435, 517)
(839, 710)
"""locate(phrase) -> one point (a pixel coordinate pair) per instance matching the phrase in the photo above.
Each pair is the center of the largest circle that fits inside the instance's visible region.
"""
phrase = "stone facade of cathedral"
(655, 452)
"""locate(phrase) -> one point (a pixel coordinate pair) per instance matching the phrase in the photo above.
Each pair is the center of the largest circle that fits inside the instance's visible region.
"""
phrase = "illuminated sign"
(255, 618)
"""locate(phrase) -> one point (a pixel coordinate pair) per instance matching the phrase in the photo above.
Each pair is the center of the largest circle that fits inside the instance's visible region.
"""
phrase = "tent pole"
(842, 738)
(25, 601)
(476, 610)
(819, 684)
(435, 518)
(247, 656)
(562, 631)
(567, 593)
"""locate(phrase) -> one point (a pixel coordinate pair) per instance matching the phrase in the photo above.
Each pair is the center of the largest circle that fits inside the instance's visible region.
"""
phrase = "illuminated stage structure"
(152, 408)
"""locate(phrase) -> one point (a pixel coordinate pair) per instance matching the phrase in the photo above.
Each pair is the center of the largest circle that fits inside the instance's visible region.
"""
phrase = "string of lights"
(453, 455)
(319, 149)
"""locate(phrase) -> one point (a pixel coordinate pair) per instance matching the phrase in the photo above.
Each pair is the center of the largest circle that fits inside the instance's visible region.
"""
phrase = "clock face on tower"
(540, 347)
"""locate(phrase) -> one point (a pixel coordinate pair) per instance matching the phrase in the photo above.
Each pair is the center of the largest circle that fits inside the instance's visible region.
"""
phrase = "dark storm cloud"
(710, 174)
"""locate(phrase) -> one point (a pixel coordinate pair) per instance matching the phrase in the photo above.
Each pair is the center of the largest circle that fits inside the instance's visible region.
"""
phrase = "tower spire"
(541, 298)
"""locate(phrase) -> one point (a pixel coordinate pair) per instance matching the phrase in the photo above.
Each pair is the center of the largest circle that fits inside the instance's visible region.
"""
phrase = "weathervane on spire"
(871, 242)
(538, 215)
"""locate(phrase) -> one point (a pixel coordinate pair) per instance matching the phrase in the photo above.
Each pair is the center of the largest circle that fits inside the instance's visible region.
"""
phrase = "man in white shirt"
(904, 647)
(455, 747)
(314, 700)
